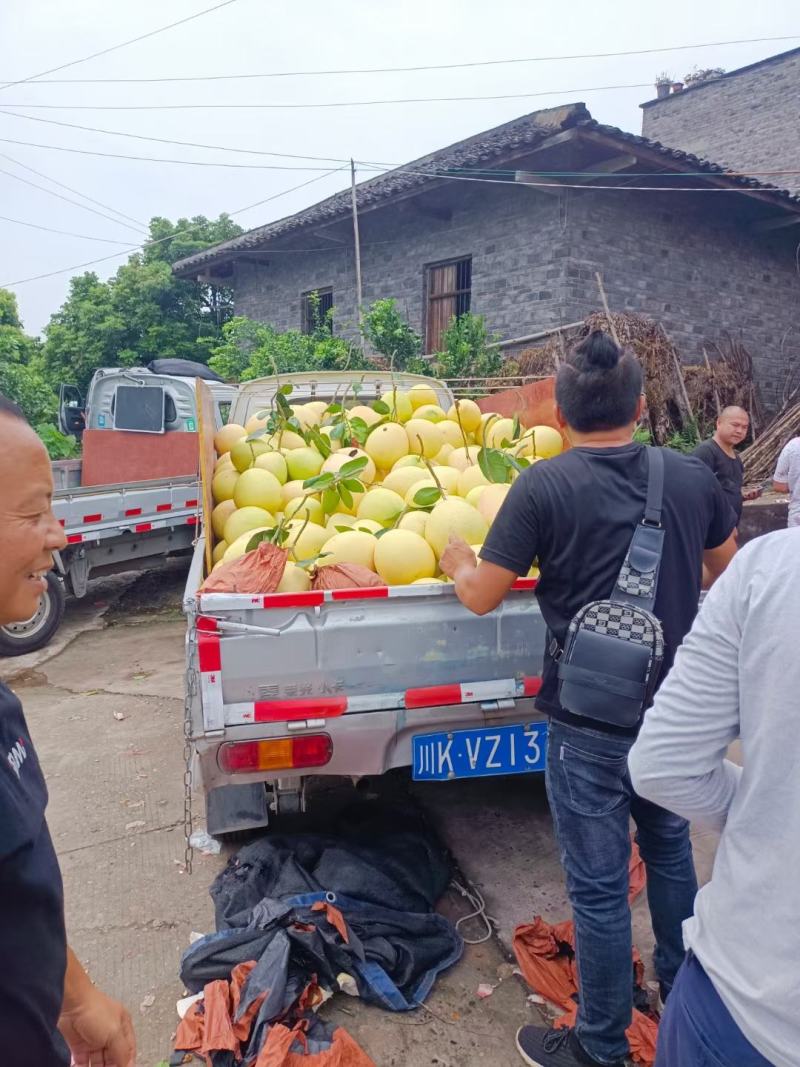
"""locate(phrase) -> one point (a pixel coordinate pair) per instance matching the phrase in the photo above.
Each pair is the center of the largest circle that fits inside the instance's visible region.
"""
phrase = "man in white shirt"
(787, 478)
(736, 999)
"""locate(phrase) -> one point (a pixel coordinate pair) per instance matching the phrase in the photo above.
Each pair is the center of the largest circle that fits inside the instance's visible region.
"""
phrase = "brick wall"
(689, 260)
(748, 121)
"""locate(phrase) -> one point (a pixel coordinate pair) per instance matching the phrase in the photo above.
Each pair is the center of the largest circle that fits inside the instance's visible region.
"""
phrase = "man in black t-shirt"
(48, 1005)
(719, 453)
(576, 514)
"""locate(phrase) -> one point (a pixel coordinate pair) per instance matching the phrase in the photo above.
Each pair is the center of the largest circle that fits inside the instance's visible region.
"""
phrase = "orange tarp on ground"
(552, 972)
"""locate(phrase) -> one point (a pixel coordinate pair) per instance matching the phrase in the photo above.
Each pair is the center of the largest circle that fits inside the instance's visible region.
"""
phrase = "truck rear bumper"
(363, 743)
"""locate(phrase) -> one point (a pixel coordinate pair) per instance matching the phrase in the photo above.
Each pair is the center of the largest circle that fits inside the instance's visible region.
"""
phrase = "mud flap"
(232, 808)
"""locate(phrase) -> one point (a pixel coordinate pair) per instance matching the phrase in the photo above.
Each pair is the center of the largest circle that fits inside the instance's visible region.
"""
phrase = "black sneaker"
(554, 1048)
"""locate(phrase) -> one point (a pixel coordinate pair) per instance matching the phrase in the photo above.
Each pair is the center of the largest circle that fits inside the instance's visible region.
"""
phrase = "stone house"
(673, 236)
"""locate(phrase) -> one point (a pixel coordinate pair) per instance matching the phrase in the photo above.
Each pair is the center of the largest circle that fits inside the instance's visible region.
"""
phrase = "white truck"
(134, 423)
(352, 682)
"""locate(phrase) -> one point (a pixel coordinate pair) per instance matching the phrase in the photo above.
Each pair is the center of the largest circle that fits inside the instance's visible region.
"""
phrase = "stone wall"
(748, 121)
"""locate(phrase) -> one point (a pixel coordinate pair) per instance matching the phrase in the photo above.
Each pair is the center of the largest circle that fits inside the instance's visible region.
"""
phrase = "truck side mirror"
(71, 410)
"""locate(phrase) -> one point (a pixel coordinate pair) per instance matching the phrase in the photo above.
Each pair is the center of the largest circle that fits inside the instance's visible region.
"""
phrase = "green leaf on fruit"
(427, 497)
(318, 440)
(334, 409)
(319, 482)
(330, 501)
(339, 430)
(345, 495)
(343, 529)
(262, 535)
(381, 408)
(353, 484)
(353, 466)
(286, 390)
(493, 464)
(515, 428)
(311, 560)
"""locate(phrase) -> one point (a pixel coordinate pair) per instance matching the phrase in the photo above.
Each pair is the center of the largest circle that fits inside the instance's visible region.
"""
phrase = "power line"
(64, 233)
(116, 47)
(419, 67)
(61, 185)
(162, 240)
(60, 196)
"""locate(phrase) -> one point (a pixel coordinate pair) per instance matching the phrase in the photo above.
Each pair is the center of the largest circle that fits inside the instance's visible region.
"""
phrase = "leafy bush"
(391, 336)
(57, 444)
(466, 350)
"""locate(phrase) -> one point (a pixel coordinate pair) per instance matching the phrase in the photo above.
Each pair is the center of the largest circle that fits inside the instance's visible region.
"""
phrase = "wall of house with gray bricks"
(748, 121)
(689, 260)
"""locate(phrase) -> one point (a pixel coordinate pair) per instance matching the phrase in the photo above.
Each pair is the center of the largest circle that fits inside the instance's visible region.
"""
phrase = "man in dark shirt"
(719, 453)
(576, 514)
(48, 1005)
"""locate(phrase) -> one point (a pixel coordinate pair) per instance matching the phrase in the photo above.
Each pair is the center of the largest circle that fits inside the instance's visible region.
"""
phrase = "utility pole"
(356, 240)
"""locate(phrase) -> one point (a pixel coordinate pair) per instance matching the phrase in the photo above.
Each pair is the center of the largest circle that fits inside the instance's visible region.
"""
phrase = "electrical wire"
(116, 47)
(69, 200)
(64, 233)
(99, 203)
(409, 70)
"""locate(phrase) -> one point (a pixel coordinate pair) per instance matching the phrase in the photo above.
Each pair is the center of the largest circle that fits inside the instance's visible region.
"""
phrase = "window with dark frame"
(448, 295)
(315, 307)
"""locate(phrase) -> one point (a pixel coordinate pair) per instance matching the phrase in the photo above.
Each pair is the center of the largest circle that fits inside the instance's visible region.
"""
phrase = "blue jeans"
(697, 1030)
(592, 801)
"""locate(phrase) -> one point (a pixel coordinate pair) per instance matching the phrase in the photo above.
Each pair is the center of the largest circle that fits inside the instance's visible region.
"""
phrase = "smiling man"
(48, 1005)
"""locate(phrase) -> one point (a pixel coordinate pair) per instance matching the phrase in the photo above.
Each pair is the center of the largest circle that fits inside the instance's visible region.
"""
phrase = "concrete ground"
(105, 709)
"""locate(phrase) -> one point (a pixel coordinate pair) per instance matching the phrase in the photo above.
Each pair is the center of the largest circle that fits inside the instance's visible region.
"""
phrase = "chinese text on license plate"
(515, 749)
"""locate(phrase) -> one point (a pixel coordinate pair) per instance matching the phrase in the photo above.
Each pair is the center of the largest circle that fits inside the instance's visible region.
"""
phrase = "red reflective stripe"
(191, 504)
(205, 623)
(531, 686)
(163, 507)
(92, 518)
(294, 600)
(74, 539)
(133, 511)
(433, 696)
(208, 652)
(376, 592)
(143, 527)
(192, 520)
(525, 583)
(285, 710)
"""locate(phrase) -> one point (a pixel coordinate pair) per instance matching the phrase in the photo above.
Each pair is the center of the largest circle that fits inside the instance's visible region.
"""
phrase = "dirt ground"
(105, 709)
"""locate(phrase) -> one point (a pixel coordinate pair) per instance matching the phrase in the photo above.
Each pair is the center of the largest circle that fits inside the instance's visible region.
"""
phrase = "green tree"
(143, 312)
(391, 336)
(466, 350)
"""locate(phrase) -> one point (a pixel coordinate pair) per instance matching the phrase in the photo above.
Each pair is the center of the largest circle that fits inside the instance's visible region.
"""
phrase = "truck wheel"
(22, 637)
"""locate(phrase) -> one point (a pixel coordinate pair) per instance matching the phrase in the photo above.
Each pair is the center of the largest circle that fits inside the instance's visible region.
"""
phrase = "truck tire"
(22, 637)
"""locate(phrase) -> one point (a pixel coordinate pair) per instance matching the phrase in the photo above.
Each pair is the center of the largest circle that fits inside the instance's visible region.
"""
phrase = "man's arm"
(479, 586)
(780, 479)
(715, 560)
(780, 487)
(96, 1028)
(678, 760)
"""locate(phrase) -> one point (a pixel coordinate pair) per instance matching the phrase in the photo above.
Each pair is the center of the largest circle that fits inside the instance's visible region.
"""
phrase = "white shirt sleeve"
(678, 760)
(782, 469)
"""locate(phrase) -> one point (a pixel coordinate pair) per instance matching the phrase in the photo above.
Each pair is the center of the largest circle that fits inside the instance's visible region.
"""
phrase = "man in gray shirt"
(736, 999)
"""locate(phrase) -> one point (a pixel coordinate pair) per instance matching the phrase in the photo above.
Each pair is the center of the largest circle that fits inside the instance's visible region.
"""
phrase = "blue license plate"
(517, 749)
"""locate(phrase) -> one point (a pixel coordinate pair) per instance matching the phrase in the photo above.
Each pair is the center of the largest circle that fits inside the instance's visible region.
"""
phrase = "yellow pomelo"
(285, 439)
(334, 442)
(223, 462)
(492, 500)
(420, 395)
(474, 495)
(543, 442)
(302, 507)
(428, 581)
(412, 460)
(400, 409)
(355, 546)
(335, 463)
(401, 557)
(223, 484)
(386, 445)
(220, 515)
(274, 463)
(226, 438)
(476, 549)
(361, 411)
(338, 519)
(445, 451)
(488, 419)
(258, 488)
(467, 413)
(254, 423)
(454, 516)
(380, 504)
(415, 521)
(308, 415)
(423, 437)
(469, 478)
(244, 453)
(368, 525)
(431, 412)
(244, 519)
(290, 491)
(219, 551)
(498, 432)
(317, 405)
(411, 492)
(451, 433)
(463, 457)
(294, 580)
(401, 480)
(448, 476)
(239, 546)
(305, 539)
(533, 572)
(303, 463)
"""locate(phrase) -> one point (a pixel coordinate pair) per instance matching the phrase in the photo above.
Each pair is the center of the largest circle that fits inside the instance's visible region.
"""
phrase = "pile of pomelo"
(403, 475)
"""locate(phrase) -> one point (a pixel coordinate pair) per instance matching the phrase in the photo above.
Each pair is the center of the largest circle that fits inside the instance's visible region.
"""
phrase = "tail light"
(282, 754)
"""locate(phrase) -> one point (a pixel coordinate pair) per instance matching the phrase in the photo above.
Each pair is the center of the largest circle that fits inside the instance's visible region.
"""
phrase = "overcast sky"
(261, 36)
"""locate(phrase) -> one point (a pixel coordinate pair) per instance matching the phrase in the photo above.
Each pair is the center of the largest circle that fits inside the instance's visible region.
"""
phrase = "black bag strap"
(637, 582)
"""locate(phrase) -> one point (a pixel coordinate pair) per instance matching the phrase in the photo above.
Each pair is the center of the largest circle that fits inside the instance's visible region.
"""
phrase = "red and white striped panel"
(113, 528)
(315, 598)
(209, 657)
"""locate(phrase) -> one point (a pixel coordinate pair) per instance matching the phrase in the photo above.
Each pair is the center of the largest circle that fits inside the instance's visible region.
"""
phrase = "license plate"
(517, 749)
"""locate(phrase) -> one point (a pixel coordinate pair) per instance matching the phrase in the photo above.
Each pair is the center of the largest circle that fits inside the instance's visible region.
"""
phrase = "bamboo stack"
(760, 458)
